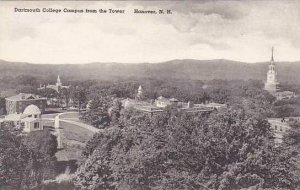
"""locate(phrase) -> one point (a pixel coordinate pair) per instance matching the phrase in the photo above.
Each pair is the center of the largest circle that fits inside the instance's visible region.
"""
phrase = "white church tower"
(271, 84)
(140, 92)
(58, 82)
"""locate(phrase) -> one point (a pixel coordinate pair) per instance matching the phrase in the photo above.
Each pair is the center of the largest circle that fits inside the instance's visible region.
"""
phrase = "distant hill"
(175, 69)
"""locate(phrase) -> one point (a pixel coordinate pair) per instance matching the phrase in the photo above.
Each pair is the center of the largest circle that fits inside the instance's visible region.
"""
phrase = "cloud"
(239, 30)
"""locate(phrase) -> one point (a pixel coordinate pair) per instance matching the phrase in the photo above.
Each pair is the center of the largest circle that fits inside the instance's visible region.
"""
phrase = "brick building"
(17, 103)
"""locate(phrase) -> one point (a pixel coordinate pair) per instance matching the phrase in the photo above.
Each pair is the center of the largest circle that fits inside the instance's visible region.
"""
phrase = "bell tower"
(271, 84)
(58, 82)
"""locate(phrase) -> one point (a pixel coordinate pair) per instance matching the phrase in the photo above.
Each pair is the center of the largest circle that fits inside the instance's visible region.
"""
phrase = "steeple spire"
(140, 92)
(58, 79)
(58, 82)
(272, 58)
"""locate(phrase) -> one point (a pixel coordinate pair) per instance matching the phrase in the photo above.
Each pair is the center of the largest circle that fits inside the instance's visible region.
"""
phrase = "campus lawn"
(75, 133)
(74, 138)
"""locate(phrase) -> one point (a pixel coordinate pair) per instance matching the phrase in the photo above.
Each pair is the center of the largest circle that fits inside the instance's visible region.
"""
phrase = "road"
(70, 117)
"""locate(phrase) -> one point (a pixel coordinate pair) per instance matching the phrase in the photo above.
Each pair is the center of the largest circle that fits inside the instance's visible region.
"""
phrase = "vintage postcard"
(149, 95)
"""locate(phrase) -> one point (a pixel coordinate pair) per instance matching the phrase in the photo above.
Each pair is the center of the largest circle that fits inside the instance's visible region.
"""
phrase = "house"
(17, 103)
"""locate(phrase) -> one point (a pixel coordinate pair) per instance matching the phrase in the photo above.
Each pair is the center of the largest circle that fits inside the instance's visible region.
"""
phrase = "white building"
(30, 120)
(272, 84)
(140, 92)
(163, 102)
(58, 86)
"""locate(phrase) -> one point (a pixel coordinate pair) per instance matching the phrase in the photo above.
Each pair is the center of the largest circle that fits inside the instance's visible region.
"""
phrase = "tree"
(66, 95)
(49, 93)
(115, 111)
(228, 149)
(79, 96)
(98, 113)
(291, 142)
(43, 143)
(2, 106)
(20, 166)
(26, 80)
(26, 89)
(100, 172)
(292, 136)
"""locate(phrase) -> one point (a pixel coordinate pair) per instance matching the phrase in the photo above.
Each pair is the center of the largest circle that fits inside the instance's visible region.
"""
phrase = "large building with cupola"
(57, 87)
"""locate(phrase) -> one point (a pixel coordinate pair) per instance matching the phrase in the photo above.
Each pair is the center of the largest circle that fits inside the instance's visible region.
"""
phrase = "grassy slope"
(73, 139)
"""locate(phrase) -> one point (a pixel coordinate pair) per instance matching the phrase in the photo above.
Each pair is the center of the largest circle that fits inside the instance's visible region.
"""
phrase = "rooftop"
(14, 117)
(32, 110)
(24, 96)
(29, 119)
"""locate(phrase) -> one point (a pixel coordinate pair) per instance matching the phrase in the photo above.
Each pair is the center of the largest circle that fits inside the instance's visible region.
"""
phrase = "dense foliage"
(103, 97)
(229, 149)
(25, 161)
(288, 107)
(102, 111)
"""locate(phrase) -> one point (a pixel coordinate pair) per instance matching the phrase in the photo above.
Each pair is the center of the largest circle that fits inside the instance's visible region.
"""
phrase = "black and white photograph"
(150, 95)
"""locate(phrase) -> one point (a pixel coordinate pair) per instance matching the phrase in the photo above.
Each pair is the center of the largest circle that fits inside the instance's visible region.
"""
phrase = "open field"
(73, 115)
(75, 133)
(73, 139)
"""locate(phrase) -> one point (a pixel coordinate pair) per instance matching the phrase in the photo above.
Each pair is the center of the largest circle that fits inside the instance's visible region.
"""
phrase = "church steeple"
(58, 79)
(272, 58)
(58, 82)
(140, 92)
(272, 64)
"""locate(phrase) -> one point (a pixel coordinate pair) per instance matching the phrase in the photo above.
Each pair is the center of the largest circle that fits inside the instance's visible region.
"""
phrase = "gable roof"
(14, 117)
(24, 96)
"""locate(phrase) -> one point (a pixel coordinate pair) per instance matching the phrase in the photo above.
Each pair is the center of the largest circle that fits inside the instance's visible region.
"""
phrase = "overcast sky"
(235, 30)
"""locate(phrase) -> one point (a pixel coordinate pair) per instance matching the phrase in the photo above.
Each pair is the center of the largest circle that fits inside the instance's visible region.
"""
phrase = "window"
(36, 125)
(35, 116)
(280, 128)
(276, 127)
